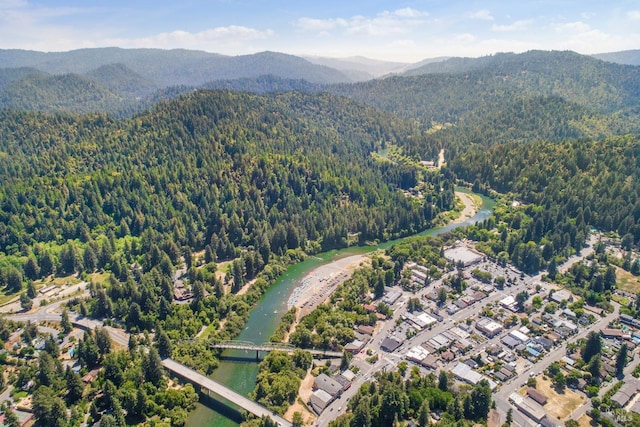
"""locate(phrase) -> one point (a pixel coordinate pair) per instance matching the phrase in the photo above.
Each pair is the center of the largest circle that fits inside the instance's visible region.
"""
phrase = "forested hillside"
(566, 187)
(253, 182)
(522, 120)
(630, 57)
(173, 67)
(60, 93)
(473, 93)
(213, 168)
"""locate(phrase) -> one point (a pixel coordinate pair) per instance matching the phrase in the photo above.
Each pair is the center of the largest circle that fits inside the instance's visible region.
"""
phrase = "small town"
(529, 359)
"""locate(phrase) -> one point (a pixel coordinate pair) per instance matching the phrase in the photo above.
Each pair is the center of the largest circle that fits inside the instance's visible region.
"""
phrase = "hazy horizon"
(397, 31)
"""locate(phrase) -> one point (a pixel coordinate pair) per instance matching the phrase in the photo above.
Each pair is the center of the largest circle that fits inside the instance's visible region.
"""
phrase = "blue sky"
(405, 31)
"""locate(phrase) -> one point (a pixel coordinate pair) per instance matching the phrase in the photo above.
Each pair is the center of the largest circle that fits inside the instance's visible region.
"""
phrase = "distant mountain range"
(125, 81)
(627, 57)
(174, 67)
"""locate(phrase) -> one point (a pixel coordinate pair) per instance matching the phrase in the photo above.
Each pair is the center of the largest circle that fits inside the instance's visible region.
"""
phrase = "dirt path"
(305, 392)
(441, 158)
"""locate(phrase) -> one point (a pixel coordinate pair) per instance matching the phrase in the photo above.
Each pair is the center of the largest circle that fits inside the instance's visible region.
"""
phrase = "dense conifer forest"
(230, 187)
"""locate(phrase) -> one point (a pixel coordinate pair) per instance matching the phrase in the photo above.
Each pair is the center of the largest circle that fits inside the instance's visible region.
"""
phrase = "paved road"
(400, 308)
(555, 355)
(5, 396)
(222, 391)
(53, 313)
(626, 374)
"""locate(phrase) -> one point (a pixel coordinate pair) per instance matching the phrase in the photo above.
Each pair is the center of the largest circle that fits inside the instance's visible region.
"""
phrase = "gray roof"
(510, 341)
(320, 399)
(389, 344)
(326, 383)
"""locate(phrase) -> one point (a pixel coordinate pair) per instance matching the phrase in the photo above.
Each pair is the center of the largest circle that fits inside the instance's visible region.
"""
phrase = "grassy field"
(559, 406)
(585, 421)
(627, 281)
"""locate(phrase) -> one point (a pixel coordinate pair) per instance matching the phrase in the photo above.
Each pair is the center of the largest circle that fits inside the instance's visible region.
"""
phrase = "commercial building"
(420, 321)
(510, 342)
(417, 354)
(561, 295)
(519, 336)
(390, 344)
(463, 372)
(391, 296)
(536, 395)
(319, 400)
(461, 254)
(328, 384)
(509, 303)
(489, 327)
(354, 346)
(527, 406)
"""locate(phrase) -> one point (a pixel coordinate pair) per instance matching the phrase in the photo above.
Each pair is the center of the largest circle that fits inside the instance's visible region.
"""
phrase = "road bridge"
(205, 383)
(270, 346)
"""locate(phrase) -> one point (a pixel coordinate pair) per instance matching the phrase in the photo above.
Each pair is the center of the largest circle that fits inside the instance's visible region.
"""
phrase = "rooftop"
(462, 254)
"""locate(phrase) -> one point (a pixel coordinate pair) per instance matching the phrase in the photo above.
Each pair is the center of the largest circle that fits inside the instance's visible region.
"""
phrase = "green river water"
(238, 369)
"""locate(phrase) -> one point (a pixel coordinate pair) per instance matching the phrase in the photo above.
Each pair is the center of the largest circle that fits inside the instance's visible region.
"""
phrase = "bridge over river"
(208, 384)
(270, 346)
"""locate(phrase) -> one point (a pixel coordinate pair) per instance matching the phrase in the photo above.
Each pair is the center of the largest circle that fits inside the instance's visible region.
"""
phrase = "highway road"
(53, 313)
(222, 391)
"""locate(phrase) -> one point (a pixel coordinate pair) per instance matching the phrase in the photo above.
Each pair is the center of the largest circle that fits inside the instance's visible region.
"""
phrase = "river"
(238, 370)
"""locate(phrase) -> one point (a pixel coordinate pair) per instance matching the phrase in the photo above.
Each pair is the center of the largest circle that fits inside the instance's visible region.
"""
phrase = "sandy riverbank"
(471, 207)
(318, 285)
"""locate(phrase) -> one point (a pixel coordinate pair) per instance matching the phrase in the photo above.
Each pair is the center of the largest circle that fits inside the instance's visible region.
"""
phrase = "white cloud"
(465, 38)
(384, 23)
(522, 24)
(483, 15)
(233, 35)
(572, 27)
(24, 25)
(634, 15)
(311, 24)
(408, 12)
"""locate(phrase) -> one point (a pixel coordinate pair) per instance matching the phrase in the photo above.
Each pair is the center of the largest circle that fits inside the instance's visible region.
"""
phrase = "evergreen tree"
(13, 279)
(152, 367)
(31, 290)
(46, 263)
(75, 386)
(103, 341)
(10, 418)
(89, 259)
(164, 343)
(65, 322)
(443, 381)
(48, 408)
(552, 269)
(31, 268)
(510, 416)
(68, 261)
(592, 347)
(112, 370)
(621, 359)
(423, 414)
(362, 413)
(594, 367)
(25, 302)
